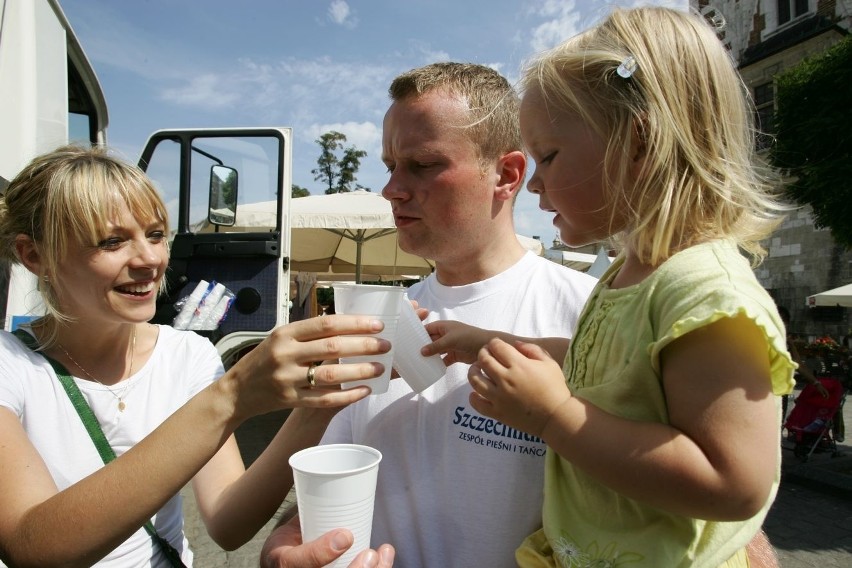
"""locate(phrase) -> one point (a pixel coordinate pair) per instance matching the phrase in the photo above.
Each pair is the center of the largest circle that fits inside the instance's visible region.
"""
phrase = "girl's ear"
(638, 147)
(512, 168)
(28, 253)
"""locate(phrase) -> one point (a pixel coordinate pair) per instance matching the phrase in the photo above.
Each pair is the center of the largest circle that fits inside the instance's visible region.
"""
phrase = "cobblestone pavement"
(810, 527)
(810, 523)
(252, 436)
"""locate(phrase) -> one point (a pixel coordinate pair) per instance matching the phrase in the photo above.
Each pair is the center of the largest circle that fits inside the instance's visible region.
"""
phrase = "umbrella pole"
(358, 244)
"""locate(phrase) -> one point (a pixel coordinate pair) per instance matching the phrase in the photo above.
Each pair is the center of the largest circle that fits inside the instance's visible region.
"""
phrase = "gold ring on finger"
(312, 380)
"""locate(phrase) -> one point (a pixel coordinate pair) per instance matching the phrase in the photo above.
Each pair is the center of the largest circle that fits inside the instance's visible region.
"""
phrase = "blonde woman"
(93, 230)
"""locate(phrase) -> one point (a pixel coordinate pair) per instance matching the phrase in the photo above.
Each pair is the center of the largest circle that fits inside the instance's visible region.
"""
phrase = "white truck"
(51, 96)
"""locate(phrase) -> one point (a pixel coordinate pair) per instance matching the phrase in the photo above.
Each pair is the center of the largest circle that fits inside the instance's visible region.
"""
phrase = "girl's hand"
(274, 374)
(521, 386)
(458, 342)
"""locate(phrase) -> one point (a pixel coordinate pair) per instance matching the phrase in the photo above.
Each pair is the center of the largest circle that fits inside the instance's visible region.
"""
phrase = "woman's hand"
(276, 373)
(521, 386)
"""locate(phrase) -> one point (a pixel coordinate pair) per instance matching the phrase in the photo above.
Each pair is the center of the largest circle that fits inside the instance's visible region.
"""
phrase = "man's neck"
(488, 262)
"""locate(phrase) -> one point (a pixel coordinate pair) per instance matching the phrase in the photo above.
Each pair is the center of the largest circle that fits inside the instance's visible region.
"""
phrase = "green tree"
(229, 188)
(338, 174)
(299, 191)
(349, 165)
(814, 137)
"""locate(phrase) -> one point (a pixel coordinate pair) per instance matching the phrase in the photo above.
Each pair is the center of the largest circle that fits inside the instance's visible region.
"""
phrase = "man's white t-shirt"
(455, 488)
(182, 364)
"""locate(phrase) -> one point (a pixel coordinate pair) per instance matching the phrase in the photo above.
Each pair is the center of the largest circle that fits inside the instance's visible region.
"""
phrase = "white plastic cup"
(418, 371)
(368, 299)
(190, 306)
(336, 488)
(383, 303)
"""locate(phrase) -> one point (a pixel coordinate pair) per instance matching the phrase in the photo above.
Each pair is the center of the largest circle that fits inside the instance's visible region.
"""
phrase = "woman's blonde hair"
(684, 99)
(66, 197)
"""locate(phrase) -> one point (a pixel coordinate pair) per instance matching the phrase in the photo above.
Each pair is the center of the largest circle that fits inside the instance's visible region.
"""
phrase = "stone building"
(766, 37)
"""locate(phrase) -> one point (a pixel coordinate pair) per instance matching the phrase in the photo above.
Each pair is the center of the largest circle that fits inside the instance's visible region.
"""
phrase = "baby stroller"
(816, 424)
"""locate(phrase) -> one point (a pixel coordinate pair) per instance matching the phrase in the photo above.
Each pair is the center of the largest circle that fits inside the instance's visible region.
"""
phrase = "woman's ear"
(28, 253)
(512, 168)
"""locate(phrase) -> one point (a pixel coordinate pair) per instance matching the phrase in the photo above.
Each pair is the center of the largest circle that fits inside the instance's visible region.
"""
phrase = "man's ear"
(28, 252)
(512, 168)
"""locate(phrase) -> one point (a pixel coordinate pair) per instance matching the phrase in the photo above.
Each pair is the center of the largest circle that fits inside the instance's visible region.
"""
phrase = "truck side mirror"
(223, 196)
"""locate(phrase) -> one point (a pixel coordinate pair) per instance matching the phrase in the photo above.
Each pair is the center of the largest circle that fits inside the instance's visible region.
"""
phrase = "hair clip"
(627, 67)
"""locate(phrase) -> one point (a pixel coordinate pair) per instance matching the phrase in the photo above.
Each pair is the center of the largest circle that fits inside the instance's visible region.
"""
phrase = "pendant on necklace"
(121, 405)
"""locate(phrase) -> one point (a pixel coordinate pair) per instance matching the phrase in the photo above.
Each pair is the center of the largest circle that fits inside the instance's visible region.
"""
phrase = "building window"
(764, 104)
(790, 9)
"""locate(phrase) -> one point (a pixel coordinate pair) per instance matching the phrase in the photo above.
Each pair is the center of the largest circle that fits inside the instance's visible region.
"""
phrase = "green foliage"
(299, 191)
(814, 136)
(229, 188)
(349, 165)
(338, 174)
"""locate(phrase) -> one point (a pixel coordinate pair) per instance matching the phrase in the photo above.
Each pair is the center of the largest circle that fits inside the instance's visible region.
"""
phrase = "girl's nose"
(534, 185)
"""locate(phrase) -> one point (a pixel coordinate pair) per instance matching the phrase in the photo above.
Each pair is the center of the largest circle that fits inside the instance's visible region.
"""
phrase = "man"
(455, 488)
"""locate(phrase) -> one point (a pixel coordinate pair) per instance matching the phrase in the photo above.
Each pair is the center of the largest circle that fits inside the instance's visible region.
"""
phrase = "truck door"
(228, 194)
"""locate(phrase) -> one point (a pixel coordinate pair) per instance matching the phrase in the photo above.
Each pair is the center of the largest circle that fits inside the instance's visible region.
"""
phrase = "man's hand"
(284, 549)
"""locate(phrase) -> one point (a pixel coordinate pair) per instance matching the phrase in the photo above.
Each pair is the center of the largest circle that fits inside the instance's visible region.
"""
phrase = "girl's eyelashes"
(549, 158)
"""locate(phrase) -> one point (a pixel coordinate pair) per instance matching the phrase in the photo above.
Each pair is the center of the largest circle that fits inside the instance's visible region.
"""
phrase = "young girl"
(663, 445)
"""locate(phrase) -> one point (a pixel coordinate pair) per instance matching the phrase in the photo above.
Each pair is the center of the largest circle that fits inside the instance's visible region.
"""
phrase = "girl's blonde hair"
(687, 104)
(66, 198)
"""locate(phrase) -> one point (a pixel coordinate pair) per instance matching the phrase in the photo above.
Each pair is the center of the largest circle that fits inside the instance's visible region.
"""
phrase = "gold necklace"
(119, 398)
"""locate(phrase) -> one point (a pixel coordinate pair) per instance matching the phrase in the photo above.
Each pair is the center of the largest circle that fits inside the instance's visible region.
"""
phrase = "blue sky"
(313, 65)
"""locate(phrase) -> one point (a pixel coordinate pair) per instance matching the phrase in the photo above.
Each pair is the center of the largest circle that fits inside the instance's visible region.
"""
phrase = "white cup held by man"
(336, 488)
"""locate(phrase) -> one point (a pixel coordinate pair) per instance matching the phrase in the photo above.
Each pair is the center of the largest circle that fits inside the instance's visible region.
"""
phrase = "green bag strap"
(93, 427)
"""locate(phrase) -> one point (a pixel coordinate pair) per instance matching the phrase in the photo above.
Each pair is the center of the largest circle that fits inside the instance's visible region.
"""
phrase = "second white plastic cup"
(418, 371)
(383, 303)
(336, 488)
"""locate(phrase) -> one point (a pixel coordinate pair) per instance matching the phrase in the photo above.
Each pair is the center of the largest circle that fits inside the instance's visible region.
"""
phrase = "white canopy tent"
(592, 264)
(600, 264)
(835, 297)
(343, 233)
(350, 233)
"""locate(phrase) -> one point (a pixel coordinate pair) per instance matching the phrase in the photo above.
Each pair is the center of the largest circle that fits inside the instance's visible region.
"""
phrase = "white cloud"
(530, 221)
(363, 135)
(565, 19)
(563, 22)
(206, 90)
(339, 13)
(300, 90)
(425, 53)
